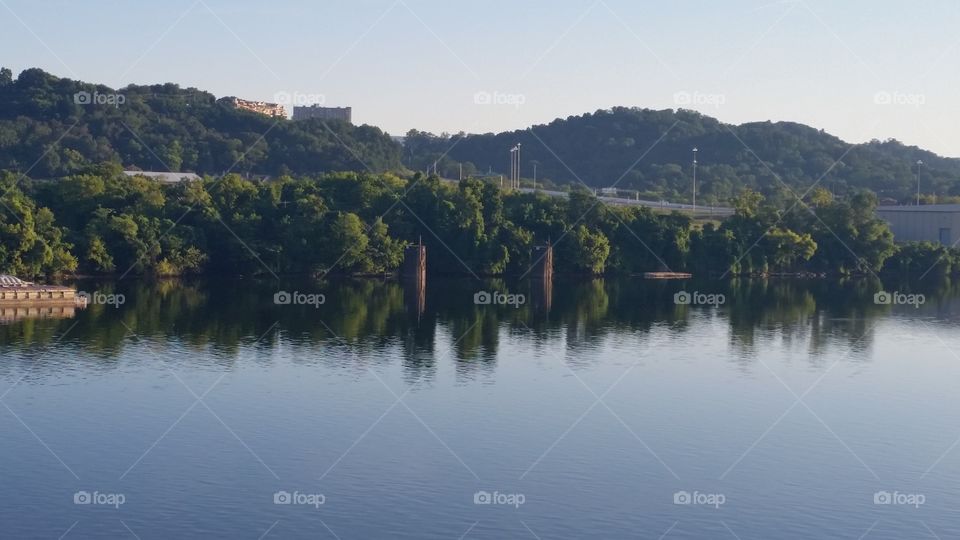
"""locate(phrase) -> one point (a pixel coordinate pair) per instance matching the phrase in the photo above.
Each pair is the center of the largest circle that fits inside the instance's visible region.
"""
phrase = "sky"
(859, 69)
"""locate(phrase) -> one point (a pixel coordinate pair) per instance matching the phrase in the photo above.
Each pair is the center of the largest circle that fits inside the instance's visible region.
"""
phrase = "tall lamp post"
(518, 165)
(919, 164)
(513, 164)
(695, 178)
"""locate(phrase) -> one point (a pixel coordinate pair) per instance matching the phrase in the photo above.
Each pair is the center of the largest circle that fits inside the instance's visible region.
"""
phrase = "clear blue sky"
(420, 63)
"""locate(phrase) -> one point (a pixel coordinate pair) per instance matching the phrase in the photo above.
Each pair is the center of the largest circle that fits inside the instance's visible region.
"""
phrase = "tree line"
(101, 221)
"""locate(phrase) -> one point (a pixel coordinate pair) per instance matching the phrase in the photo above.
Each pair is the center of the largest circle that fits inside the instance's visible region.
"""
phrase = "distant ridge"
(601, 148)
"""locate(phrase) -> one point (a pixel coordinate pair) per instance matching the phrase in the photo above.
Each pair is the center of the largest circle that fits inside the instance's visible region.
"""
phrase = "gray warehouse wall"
(923, 225)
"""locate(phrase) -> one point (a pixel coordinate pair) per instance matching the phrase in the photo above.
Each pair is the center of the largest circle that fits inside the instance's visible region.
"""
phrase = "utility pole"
(694, 178)
(919, 164)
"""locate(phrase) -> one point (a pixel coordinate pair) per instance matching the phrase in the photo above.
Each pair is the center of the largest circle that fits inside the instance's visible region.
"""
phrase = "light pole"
(695, 178)
(513, 164)
(518, 165)
(919, 164)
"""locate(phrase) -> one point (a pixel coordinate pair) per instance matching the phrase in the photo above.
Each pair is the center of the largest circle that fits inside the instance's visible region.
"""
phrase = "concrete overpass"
(700, 211)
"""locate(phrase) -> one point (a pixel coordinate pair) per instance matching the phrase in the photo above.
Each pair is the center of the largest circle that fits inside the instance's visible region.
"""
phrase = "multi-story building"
(261, 107)
(324, 113)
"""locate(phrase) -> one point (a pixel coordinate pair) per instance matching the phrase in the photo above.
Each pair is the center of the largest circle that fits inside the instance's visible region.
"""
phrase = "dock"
(15, 291)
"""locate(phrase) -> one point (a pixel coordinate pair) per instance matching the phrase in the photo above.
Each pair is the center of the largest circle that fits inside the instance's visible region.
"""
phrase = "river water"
(590, 409)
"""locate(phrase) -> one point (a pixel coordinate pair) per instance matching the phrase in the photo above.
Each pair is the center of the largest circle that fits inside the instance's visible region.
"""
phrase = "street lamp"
(919, 164)
(518, 165)
(513, 164)
(695, 178)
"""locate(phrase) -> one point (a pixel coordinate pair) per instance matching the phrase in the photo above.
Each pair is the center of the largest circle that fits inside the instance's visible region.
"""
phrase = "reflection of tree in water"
(220, 319)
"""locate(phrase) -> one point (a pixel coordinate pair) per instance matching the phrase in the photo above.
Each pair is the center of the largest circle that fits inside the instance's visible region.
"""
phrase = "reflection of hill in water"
(366, 317)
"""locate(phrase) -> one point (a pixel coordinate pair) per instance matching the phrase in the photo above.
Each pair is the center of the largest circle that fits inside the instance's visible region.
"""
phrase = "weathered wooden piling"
(414, 262)
(542, 278)
(543, 262)
(413, 274)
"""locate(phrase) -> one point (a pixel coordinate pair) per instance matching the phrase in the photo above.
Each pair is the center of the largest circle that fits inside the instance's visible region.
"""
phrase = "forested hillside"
(45, 126)
(600, 148)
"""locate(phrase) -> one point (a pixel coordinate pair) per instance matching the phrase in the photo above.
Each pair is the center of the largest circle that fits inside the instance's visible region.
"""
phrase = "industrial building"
(932, 222)
(324, 113)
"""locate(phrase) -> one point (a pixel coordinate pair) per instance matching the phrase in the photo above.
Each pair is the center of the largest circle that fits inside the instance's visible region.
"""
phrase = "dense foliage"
(80, 213)
(45, 130)
(603, 148)
(102, 221)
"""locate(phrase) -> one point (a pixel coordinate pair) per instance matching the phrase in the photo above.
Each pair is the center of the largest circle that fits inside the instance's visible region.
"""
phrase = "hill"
(46, 129)
(55, 127)
(600, 148)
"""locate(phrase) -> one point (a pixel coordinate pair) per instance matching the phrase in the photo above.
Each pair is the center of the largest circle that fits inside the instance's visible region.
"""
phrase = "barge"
(15, 291)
